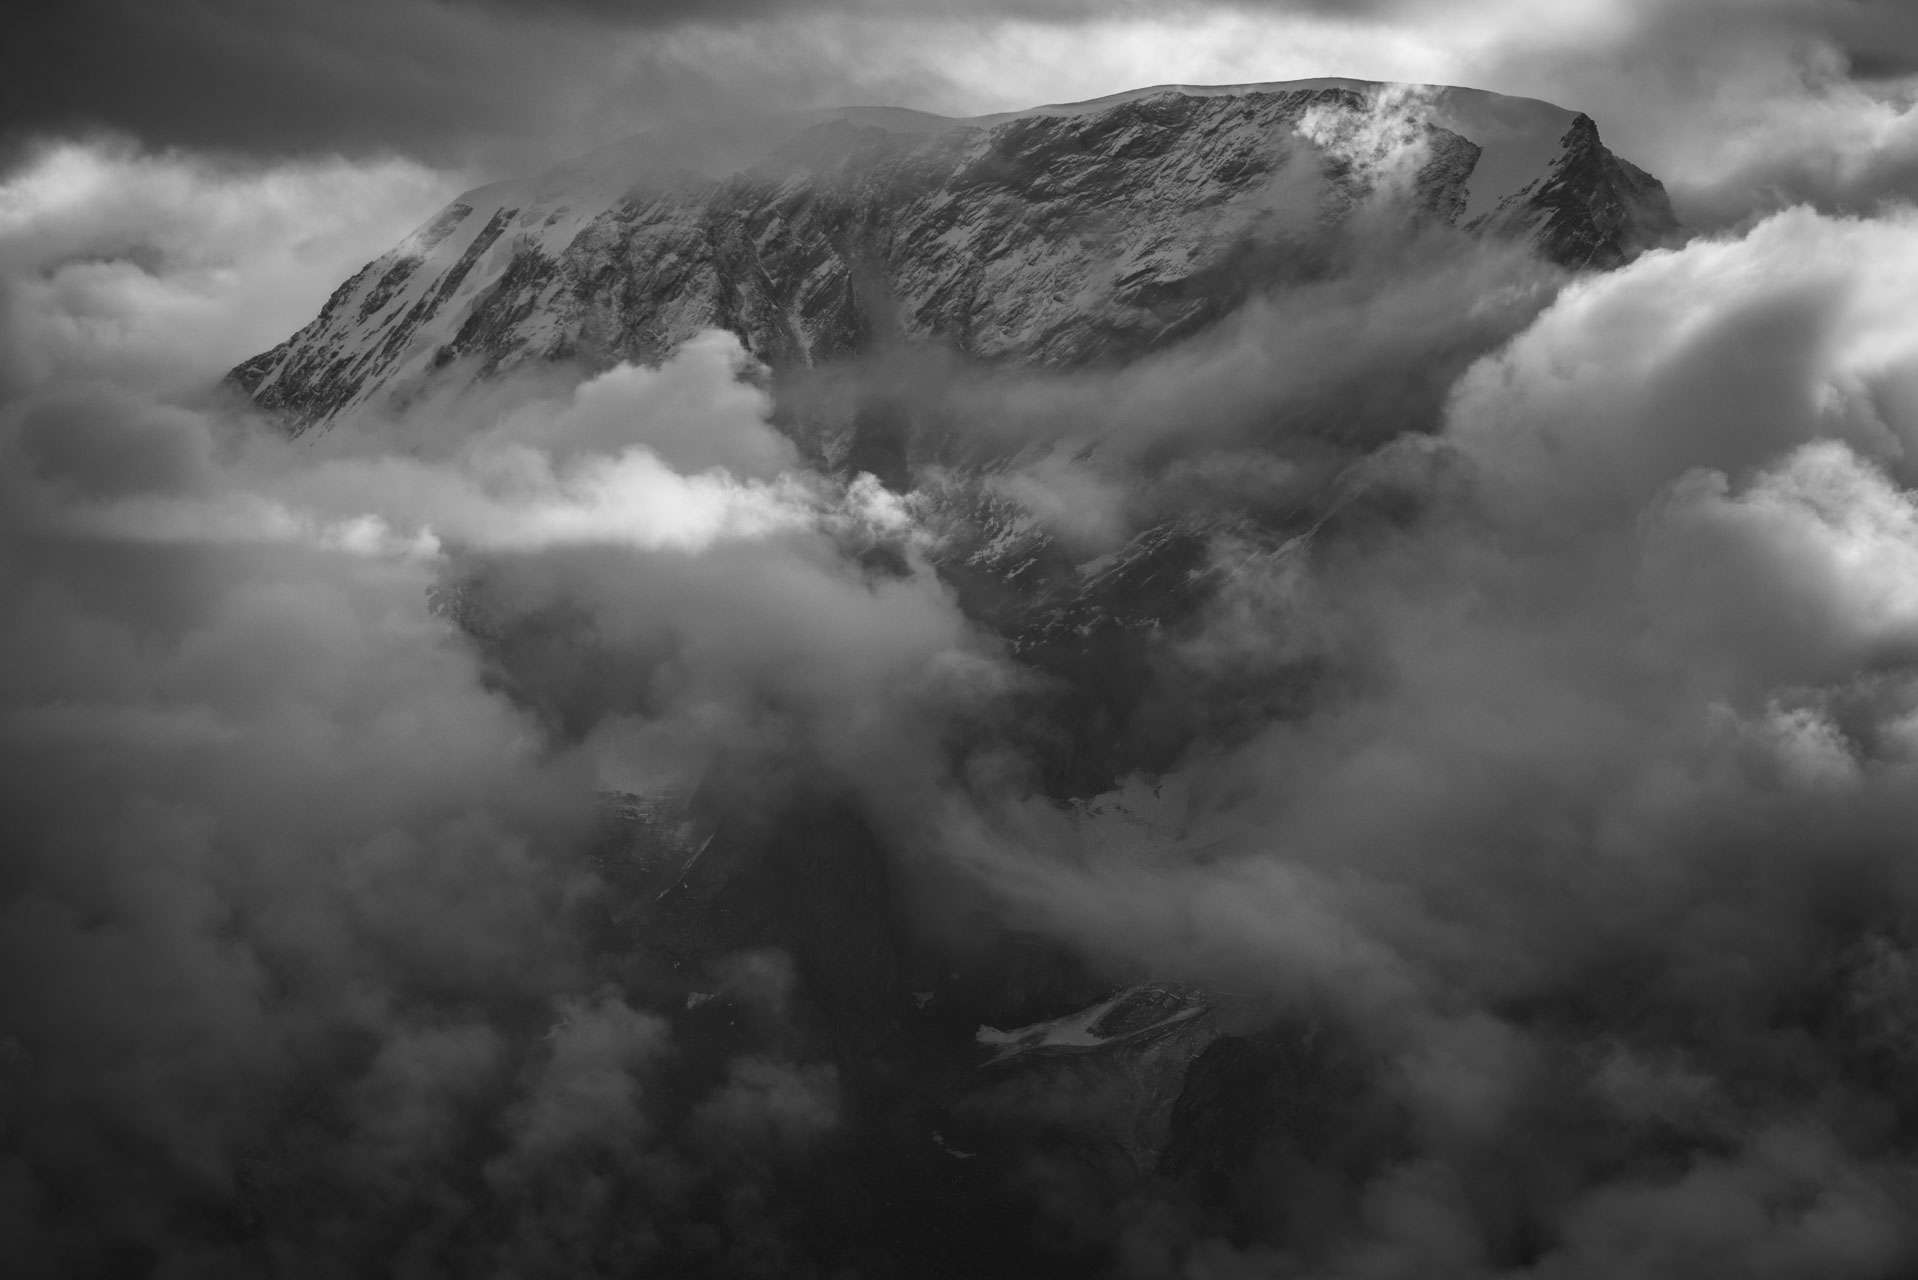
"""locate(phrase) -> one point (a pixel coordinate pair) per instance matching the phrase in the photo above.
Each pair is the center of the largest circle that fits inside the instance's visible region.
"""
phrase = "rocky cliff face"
(1057, 237)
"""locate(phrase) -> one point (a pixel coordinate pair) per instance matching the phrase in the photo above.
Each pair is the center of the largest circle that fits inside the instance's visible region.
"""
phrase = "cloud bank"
(304, 907)
(1595, 843)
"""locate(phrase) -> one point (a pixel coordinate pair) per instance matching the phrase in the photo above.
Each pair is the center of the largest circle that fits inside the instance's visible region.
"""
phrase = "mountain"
(1075, 241)
(1060, 236)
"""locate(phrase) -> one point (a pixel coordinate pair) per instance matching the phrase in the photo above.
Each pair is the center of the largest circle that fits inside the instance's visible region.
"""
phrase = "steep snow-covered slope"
(1519, 138)
(1059, 235)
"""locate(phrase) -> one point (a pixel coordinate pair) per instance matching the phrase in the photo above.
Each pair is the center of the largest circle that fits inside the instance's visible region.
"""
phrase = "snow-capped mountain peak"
(1056, 235)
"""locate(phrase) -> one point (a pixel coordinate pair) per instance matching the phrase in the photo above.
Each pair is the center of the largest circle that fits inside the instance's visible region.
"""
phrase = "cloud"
(1740, 347)
(158, 271)
(1742, 108)
(765, 1103)
(300, 906)
(291, 77)
(1596, 809)
(1803, 574)
(241, 860)
(453, 84)
(1260, 410)
(1069, 499)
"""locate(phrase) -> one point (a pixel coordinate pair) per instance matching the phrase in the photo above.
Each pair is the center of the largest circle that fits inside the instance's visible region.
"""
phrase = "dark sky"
(428, 78)
(502, 83)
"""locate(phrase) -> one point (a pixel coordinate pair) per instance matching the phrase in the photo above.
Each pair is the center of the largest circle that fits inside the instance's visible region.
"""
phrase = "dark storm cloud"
(274, 77)
(285, 76)
(443, 81)
(1690, 89)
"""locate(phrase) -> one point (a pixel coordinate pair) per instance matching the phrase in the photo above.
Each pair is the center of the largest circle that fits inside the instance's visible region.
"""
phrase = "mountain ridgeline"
(1058, 237)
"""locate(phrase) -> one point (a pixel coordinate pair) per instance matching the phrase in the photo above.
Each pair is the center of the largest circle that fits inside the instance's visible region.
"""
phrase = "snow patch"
(1134, 1014)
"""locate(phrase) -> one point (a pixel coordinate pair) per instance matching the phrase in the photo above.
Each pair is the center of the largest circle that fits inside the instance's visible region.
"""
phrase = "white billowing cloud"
(1811, 136)
(695, 411)
(518, 498)
(1806, 575)
(632, 498)
(162, 271)
(1722, 355)
(731, 596)
(675, 456)
(583, 470)
(1387, 143)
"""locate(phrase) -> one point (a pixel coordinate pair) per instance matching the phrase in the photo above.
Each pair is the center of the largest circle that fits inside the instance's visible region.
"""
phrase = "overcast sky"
(1734, 102)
